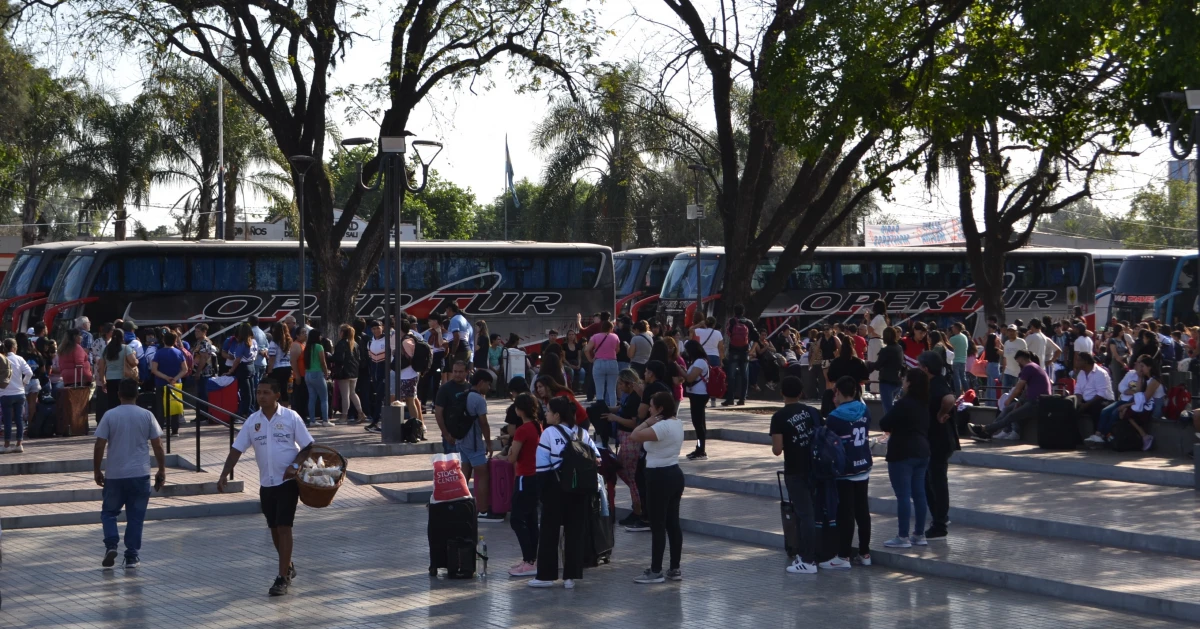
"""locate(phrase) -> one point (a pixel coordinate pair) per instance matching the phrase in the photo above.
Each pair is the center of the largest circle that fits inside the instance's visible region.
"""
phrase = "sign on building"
(941, 232)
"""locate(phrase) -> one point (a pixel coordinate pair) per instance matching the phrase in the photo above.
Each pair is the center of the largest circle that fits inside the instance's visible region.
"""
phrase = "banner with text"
(942, 232)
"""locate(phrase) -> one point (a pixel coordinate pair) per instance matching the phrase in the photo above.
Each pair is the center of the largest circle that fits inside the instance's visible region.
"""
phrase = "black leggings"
(566, 512)
(852, 509)
(524, 517)
(698, 402)
(110, 389)
(665, 486)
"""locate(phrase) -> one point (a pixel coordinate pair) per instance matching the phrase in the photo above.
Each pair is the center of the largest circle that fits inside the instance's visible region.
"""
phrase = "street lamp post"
(1182, 142)
(696, 211)
(393, 175)
(301, 163)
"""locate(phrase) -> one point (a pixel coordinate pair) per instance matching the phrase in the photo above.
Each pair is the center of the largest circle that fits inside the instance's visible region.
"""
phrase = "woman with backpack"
(523, 455)
(345, 372)
(908, 457)
(661, 436)
(850, 422)
(561, 510)
(696, 381)
(890, 367)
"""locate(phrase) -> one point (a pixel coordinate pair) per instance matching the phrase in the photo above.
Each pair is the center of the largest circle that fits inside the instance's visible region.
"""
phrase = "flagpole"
(506, 190)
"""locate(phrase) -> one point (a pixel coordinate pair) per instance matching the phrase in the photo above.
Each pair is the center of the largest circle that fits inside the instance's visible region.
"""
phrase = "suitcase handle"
(779, 481)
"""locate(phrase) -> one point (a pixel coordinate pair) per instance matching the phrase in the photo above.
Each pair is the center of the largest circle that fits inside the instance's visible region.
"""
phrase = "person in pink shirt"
(601, 350)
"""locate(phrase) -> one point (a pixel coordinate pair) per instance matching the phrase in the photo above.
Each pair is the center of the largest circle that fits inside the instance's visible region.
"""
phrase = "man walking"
(280, 443)
(741, 335)
(128, 428)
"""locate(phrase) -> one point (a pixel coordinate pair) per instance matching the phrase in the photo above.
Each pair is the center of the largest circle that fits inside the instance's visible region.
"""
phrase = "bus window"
(946, 275)
(1106, 272)
(417, 271)
(811, 276)
(681, 278)
(291, 272)
(143, 274)
(762, 273)
(108, 278)
(218, 273)
(71, 286)
(455, 268)
(855, 275)
(625, 274)
(521, 272)
(1026, 273)
(1064, 272)
(656, 274)
(567, 272)
(49, 275)
(21, 274)
(174, 274)
(266, 272)
(898, 275)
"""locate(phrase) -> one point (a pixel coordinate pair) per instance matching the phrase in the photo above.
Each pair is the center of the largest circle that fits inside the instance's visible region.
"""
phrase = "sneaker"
(132, 562)
(697, 455)
(799, 567)
(569, 584)
(538, 583)
(772, 386)
(650, 577)
(1095, 439)
(629, 520)
(1147, 442)
(369, 427)
(490, 518)
(898, 542)
(291, 571)
(936, 535)
(837, 563)
(280, 587)
(675, 574)
(331, 423)
(1003, 434)
(110, 558)
(862, 560)
(1010, 435)
(5, 449)
(638, 526)
(374, 428)
(978, 432)
(523, 570)
(18, 448)
(743, 402)
(919, 540)
(727, 403)
(354, 422)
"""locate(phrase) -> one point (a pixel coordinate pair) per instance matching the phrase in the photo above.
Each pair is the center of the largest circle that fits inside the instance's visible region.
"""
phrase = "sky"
(474, 126)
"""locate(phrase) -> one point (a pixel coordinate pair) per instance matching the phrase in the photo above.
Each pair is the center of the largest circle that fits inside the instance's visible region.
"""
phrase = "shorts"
(408, 388)
(279, 503)
(474, 458)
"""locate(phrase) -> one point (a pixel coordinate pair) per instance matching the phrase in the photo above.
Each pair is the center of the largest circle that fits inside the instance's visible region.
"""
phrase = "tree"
(1038, 82)
(1083, 218)
(1163, 217)
(831, 82)
(278, 57)
(447, 211)
(521, 221)
(188, 99)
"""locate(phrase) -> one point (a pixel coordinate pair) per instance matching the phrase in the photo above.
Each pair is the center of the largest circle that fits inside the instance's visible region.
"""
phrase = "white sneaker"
(837, 563)
(898, 542)
(331, 423)
(918, 540)
(17, 448)
(5, 449)
(1009, 436)
(537, 583)
(862, 560)
(799, 567)
(1002, 434)
(1095, 439)
(569, 584)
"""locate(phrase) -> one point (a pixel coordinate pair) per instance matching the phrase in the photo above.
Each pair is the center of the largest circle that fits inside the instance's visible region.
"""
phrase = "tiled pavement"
(365, 567)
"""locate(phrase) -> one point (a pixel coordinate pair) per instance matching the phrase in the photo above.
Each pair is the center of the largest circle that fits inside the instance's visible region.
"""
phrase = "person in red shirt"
(546, 387)
(860, 342)
(915, 342)
(523, 455)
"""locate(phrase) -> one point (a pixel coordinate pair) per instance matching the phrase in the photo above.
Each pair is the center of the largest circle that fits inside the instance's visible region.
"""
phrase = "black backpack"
(458, 421)
(1125, 438)
(422, 358)
(577, 474)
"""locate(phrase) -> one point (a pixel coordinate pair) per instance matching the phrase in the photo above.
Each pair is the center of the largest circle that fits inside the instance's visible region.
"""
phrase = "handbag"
(128, 371)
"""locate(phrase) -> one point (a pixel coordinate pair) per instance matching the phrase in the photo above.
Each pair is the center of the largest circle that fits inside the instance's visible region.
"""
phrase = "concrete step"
(232, 502)
(11, 467)
(1092, 574)
(406, 493)
(81, 487)
(1125, 467)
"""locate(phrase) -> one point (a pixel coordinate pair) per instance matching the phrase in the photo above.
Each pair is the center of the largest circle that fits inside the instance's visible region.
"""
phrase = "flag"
(508, 175)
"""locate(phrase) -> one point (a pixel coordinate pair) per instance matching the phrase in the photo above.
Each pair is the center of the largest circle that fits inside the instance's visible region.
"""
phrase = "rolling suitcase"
(598, 548)
(452, 527)
(44, 420)
(1057, 425)
(502, 479)
(791, 535)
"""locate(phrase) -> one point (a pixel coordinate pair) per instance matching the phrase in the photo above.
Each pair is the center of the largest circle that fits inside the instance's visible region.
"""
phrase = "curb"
(69, 466)
(97, 494)
(1094, 471)
(245, 507)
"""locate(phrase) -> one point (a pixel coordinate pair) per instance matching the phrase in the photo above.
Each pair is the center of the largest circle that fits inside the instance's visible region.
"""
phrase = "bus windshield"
(70, 286)
(20, 275)
(681, 278)
(625, 274)
(1145, 276)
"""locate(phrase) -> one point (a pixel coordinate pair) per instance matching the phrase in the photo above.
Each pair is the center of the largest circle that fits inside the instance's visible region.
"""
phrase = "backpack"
(829, 457)
(1125, 437)
(1178, 398)
(718, 384)
(458, 421)
(739, 334)
(5, 372)
(577, 474)
(422, 357)
(1168, 352)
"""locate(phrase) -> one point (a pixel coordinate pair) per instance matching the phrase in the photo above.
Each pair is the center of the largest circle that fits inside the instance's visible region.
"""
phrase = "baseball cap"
(1012, 327)
(130, 325)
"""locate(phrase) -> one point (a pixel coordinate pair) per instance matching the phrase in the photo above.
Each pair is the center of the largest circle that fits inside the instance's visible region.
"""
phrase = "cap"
(129, 325)
(931, 361)
(1012, 327)
(30, 332)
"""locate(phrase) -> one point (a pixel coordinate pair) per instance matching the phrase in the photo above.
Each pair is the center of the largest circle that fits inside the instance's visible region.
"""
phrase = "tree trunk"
(231, 176)
(119, 218)
(989, 281)
(29, 212)
(203, 221)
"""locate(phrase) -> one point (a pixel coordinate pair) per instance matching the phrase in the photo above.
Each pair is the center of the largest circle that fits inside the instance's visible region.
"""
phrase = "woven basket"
(317, 496)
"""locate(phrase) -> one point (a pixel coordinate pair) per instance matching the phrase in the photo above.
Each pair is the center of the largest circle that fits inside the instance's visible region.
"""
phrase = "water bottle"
(481, 549)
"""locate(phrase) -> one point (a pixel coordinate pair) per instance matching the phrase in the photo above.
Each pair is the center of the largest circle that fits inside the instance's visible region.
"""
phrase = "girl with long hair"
(279, 360)
(345, 372)
(316, 374)
(696, 379)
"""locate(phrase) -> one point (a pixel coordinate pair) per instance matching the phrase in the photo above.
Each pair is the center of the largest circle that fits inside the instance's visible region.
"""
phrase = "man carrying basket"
(281, 443)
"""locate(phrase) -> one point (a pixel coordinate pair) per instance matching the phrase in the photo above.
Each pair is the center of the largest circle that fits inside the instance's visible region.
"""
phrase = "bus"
(932, 283)
(522, 288)
(1159, 285)
(28, 282)
(638, 277)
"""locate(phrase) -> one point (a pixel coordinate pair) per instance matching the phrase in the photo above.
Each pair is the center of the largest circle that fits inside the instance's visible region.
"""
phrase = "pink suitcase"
(503, 482)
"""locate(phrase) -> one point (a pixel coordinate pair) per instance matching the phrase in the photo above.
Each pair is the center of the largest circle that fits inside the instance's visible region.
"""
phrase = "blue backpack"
(828, 455)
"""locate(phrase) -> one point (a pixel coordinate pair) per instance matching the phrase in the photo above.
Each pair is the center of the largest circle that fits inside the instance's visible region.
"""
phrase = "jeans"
(937, 491)
(201, 383)
(604, 372)
(131, 494)
(245, 392)
(665, 488)
(853, 509)
(579, 376)
(697, 402)
(257, 372)
(960, 377)
(1108, 419)
(738, 359)
(1009, 382)
(14, 413)
(524, 517)
(887, 394)
(990, 393)
(908, 482)
(1012, 416)
(800, 495)
(318, 393)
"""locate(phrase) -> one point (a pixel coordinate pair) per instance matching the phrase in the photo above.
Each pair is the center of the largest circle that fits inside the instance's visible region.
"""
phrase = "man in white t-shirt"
(1012, 345)
(281, 443)
(1083, 343)
(1041, 345)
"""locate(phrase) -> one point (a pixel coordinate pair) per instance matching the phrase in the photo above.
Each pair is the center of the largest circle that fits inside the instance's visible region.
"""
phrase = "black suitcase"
(43, 422)
(599, 535)
(1057, 423)
(451, 522)
(791, 535)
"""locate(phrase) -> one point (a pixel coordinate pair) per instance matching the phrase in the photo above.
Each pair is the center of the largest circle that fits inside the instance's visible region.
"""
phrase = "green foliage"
(1165, 217)
(447, 211)
(1082, 218)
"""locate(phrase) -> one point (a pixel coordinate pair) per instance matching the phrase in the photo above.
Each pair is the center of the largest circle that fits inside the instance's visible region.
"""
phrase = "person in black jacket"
(847, 364)
(908, 456)
(345, 372)
(943, 441)
(890, 365)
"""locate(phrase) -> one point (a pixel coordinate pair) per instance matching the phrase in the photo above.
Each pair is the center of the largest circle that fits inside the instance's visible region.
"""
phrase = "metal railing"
(193, 402)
